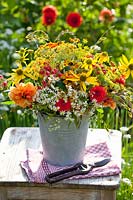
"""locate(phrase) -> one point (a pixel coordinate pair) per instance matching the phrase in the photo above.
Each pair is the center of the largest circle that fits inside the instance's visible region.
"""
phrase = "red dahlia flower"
(62, 105)
(74, 19)
(49, 15)
(98, 93)
(106, 15)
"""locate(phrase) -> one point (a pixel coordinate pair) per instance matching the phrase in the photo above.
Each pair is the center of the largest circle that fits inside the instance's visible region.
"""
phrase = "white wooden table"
(14, 184)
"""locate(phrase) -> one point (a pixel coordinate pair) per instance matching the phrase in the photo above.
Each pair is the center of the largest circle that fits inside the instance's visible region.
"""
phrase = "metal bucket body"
(63, 143)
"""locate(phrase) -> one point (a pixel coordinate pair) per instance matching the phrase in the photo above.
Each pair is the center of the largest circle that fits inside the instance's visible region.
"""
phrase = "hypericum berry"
(44, 83)
(120, 80)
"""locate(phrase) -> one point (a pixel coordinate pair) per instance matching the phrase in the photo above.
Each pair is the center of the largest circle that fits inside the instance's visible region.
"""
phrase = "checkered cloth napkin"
(36, 168)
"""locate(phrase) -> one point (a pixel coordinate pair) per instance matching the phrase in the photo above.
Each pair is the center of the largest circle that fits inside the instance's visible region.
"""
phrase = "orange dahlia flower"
(23, 94)
(109, 102)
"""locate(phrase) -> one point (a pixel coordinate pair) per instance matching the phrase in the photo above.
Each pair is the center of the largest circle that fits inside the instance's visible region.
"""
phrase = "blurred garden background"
(105, 24)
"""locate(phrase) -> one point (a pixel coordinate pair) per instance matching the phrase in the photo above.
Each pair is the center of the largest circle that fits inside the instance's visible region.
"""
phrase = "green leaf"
(65, 69)
(100, 110)
(8, 102)
(61, 85)
(11, 4)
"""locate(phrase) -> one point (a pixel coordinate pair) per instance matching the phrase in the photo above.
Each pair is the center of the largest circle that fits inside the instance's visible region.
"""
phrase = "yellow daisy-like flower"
(102, 57)
(83, 79)
(17, 75)
(24, 53)
(126, 67)
(87, 63)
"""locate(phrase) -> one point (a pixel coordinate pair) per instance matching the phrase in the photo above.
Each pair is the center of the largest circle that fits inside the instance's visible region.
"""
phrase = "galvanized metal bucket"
(63, 143)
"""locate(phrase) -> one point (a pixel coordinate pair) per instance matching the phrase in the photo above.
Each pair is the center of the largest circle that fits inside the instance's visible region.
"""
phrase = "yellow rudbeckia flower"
(17, 75)
(83, 79)
(102, 57)
(126, 67)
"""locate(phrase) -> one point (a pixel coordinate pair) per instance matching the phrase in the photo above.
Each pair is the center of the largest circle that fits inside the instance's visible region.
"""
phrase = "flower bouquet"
(69, 79)
(66, 82)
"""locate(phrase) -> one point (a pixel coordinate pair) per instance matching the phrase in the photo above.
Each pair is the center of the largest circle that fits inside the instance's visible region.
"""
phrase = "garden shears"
(77, 169)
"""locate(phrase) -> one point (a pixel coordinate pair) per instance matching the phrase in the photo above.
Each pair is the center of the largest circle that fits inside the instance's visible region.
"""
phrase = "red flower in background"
(49, 15)
(74, 19)
(62, 105)
(98, 93)
(106, 15)
(3, 82)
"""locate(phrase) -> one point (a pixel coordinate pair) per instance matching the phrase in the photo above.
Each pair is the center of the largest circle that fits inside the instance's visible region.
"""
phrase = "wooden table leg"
(108, 195)
(3, 193)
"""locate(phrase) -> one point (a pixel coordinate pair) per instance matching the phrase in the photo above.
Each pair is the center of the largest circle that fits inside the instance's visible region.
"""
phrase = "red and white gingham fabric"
(36, 167)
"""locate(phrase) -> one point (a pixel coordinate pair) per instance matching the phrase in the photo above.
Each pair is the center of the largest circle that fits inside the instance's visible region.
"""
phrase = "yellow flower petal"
(92, 80)
(72, 79)
(83, 86)
(131, 61)
(123, 67)
(127, 73)
(124, 58)
(89, 72)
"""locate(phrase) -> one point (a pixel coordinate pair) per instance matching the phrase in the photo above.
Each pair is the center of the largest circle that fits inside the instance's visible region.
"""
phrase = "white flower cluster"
(51, 93)
(47, 97)
(79, 101)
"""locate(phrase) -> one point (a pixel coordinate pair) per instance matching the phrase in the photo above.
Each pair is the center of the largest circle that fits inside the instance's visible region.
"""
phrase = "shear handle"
(66, 173)
(63, 171)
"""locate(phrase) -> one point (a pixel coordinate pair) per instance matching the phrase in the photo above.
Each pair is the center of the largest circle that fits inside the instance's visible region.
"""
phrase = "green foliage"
(14, 117)
(125, 191)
